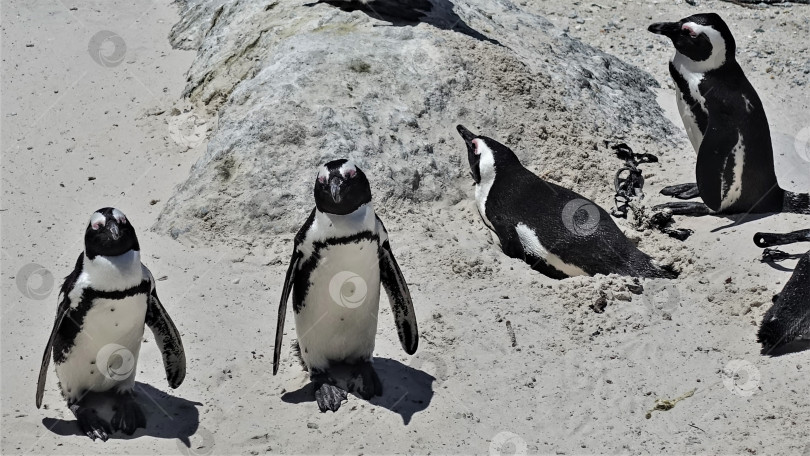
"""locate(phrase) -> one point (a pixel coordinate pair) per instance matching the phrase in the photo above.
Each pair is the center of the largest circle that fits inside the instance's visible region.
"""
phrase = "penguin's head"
(109, 234)
(484, 154)
(703, 39)
(341, 188)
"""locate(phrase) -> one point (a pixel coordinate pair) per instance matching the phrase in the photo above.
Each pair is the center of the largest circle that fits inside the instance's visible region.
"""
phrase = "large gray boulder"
(295, 84)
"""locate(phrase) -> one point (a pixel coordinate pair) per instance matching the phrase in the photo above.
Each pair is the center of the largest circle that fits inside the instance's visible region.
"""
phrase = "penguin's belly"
(105, 352)
(338, 319)
(689, 121)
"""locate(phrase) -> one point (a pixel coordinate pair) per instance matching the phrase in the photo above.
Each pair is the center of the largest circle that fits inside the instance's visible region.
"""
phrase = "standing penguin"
(557, 231)
(99, 325)
(725, 122)
(340, 258)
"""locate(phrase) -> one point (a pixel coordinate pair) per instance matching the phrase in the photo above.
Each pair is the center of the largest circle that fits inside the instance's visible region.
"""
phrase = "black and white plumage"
(725, 122)
(785, 328)
(340, 258)
(787, 322)
(555, 230)
(96, 338)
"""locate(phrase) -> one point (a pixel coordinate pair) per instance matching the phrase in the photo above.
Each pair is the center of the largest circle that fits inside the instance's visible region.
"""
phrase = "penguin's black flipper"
(788, 320)
(289, 280)
(716, 161)
(167, 338)
(681, 191)
(61, 312)
(398, 295)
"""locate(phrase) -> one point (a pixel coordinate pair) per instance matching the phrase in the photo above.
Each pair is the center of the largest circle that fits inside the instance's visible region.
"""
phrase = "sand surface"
(79, 133)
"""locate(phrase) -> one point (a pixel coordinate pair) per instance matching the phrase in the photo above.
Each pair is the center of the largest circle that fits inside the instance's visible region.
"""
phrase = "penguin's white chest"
(338, 320)
(689, 120)
(105, 352)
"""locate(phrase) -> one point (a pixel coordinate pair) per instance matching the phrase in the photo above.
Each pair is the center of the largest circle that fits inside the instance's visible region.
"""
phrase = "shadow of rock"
(438, 13)
(406, 390)
(167, 416)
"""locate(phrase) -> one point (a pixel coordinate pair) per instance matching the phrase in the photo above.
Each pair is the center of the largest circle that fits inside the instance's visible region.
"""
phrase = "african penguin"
(340, 258)
(103, 306)
(555, 230)
(725, 122)
(785, 328)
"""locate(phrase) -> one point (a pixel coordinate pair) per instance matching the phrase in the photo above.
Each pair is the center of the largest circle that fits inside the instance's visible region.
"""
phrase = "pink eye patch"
(691, 30)
(475, 143)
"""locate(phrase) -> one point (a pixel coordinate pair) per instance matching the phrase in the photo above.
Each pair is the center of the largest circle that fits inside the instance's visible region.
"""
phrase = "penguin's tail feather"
(796, 203)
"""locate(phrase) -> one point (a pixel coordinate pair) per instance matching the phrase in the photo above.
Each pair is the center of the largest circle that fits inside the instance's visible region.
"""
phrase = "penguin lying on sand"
(340, 259)
(726, 124)
(97, 335)
(557, 231)
(785, 327)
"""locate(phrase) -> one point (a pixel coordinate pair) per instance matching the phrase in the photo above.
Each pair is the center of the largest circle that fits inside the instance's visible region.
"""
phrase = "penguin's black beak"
(334, 188)
(668, 29)
(466, 134)
(112, 227)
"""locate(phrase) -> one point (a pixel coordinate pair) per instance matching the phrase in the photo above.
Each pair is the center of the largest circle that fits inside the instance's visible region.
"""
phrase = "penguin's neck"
(114, 272)
(362, 219)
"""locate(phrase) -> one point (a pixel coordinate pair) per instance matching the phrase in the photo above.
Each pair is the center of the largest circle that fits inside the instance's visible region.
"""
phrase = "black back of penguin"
(580, 236)
(735, 168)
(787, 322)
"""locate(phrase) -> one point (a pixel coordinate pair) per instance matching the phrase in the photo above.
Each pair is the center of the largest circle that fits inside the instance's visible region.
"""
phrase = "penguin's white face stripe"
(348, 170)
(715, 60)
(323, 174)
(119, 216)
(531, 244)
(486, 168)
(97, 220)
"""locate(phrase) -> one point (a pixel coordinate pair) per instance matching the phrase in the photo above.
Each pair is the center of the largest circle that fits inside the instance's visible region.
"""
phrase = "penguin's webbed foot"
(692, 208)
(90, 423)
(366, 383)
(128, 415)
(329, 397)
(681, 191)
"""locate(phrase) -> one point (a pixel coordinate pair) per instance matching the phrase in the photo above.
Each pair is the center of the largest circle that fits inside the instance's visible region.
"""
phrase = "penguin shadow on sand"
(438, 13)
(406, 390)
(167, 416)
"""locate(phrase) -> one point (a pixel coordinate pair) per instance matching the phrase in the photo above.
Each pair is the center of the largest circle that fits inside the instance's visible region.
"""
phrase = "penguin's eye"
(475, 143)
(322, 179)
(687, 29)
(350, 173)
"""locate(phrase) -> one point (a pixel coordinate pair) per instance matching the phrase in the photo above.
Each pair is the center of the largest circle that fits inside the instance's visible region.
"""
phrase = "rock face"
(295, 84)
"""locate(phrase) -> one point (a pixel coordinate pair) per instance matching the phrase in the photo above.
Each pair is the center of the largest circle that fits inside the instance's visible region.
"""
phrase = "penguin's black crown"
(690, 37)
(502, 156)
(341, 188)
(109, 233)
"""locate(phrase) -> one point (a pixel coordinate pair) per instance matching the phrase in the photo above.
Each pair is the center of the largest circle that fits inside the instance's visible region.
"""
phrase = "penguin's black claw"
(329, 397)
(91, 424)
(128, 416)
(681, 191)
(369, 384)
